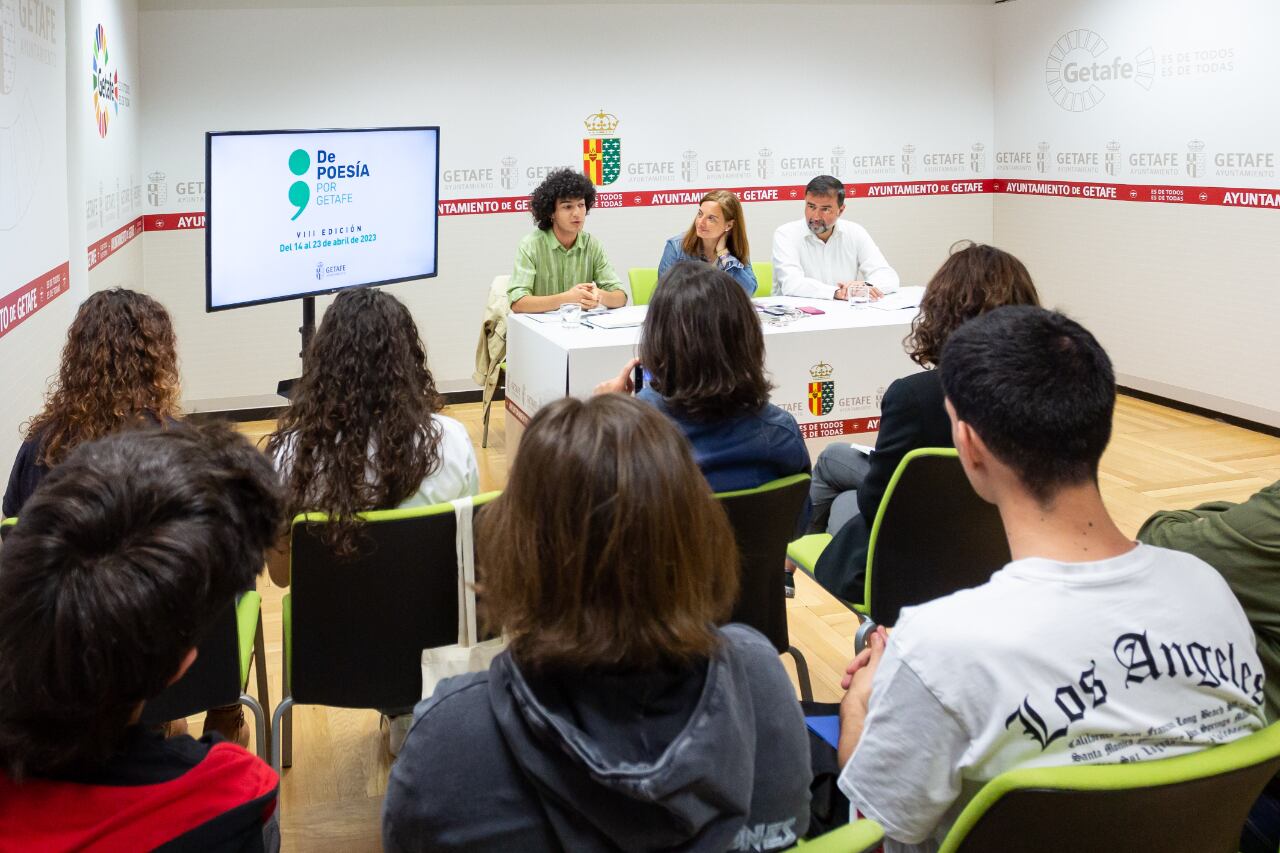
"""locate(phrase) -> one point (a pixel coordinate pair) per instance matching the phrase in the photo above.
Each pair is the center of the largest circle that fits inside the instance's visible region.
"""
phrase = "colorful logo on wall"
(822, 390)
(602, 150)
(299, 192)
(106, 83)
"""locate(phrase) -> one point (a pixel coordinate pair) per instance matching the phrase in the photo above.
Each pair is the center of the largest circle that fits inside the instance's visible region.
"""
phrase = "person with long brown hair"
(703, 354)
(365, 431)
(119, 369)
(717, 236)
(620, 716)
(848, 483)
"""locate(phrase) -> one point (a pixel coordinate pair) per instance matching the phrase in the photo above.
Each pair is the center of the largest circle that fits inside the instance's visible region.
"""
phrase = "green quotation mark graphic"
(299, 193)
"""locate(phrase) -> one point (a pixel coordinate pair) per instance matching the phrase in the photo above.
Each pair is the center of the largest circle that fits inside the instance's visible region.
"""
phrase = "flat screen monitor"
(294, 213)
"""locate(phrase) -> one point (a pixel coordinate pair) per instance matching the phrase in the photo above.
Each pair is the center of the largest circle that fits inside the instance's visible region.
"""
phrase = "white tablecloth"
(858, 350)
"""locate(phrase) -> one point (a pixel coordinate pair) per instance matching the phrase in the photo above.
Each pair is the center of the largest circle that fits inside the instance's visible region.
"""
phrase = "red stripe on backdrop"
(847, 426)
(1218, 196)
(19, 305)
(114, 242)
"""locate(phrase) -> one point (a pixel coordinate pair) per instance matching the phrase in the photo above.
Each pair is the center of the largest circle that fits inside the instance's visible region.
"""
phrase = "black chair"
(933, 535)
(221, 670)
(764, 520)
(355, 629)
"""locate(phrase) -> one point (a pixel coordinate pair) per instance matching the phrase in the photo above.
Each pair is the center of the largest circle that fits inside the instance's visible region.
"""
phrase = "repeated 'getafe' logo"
(602, 151)
(299, 192)
(106, 83)
(822, 390)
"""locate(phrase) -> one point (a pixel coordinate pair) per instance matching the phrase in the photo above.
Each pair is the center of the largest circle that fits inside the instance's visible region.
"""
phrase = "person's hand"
(588, 295)
(874, 292)
(722, 245)
(858, 675)
(620, 384)
(842, 290)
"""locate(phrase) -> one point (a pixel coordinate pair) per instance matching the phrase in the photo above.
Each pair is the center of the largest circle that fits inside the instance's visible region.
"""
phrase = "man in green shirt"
(559, 262)
(1241, 541)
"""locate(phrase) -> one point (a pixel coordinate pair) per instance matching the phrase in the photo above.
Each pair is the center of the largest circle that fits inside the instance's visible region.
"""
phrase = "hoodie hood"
(619, 761)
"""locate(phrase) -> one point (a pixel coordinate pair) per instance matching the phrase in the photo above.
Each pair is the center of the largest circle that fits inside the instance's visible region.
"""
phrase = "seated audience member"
(365, 430)
(848, 484)
(823, 258)
(1241, 541)
(1085, 637)
(559, 262)
(717, 236)
(703, 356)
(119, 369)
(619, 717)
(107, 584)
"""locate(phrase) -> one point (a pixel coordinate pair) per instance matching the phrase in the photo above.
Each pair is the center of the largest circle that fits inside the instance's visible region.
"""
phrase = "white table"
(856, 349)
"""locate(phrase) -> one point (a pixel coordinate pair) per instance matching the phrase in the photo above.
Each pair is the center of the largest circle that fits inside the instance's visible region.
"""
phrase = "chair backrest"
(6, 526)
(764, 521)
(358, 626)
(764, 278)
(931, 536)
(643, 281)
(213, 680)
(1193, 803)
(860, 836)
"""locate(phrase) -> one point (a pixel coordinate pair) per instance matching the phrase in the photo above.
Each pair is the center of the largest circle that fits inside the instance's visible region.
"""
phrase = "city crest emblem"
(602, 150)
(822, 390)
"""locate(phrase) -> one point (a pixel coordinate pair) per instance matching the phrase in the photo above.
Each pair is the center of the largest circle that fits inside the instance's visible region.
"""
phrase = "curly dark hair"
(560, 185)
(360, 434)
(975, 279)
(121, 560)
(119, 368)
(702, 345)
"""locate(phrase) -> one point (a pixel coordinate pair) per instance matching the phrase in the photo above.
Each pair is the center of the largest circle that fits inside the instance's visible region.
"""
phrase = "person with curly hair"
(848, 483)
(119, 369)
(718, 235)
(559, 262)
(624, 714)
(703, 354)
(365, 430)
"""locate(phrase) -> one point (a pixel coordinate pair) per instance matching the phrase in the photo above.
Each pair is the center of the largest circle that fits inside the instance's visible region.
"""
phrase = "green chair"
(1193, 803)
(861, 836)
(221, 670)
(763, 519)
(764, 278)
(354, 629)
(643, 281)
(932, 535)
(6, 526)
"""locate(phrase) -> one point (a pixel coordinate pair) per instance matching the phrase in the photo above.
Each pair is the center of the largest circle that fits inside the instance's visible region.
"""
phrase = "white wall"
(1183, 295)
(517, 82)
(33, 204)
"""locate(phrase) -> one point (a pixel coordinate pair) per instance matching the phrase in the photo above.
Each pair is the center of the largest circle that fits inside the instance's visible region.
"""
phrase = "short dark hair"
(116, 568)
(702, 345)
(1038, 389)
(607, 548)
(826, 185)
(558, 186)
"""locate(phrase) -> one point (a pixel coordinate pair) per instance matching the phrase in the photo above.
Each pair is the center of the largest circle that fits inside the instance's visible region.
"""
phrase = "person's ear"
(187, 659)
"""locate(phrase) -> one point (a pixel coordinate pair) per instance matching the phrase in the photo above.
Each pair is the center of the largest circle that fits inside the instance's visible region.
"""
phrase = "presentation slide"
(296, 213)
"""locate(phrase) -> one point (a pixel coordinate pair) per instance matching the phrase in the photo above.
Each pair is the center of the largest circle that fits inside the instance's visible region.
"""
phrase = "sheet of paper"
(906, 297)
(619, 318)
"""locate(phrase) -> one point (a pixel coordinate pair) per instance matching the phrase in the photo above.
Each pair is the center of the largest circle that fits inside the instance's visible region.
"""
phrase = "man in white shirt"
(822, 257)
(1087, 648)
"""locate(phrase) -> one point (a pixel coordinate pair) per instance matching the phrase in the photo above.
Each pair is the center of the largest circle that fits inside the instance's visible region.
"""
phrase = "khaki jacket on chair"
(491, 349)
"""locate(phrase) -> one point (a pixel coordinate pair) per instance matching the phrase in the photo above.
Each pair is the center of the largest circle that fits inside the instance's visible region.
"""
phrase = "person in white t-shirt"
(823, 257)
(1087, 648)
(365, 430)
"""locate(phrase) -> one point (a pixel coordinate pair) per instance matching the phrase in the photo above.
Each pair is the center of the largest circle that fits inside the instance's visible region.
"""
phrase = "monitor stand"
(308, 330)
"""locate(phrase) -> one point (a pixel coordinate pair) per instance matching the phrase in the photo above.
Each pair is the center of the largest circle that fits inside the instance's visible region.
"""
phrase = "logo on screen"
(602, 150)
(299, 193)
(106, 83)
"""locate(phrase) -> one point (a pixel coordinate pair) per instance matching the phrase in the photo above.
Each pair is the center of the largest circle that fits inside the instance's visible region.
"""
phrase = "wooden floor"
(1159, 459)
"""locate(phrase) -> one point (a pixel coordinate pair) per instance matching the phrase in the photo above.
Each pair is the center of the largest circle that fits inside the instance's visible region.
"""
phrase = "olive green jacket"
(1241, 541)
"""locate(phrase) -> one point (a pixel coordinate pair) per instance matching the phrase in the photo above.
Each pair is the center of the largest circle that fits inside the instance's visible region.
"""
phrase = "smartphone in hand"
(637, 379)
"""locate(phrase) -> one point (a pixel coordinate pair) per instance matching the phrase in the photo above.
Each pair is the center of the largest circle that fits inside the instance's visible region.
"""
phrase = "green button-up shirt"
(544, 267)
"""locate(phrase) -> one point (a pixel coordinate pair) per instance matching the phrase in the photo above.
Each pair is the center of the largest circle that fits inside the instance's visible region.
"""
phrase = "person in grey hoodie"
(619, 717)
